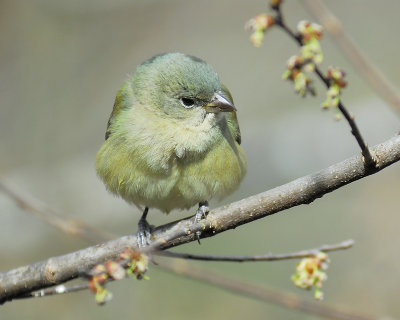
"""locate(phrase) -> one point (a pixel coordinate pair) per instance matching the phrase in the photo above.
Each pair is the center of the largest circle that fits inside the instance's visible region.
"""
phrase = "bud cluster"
(310, 272)
(257, 26)
(335, 77)
(129, 263)
(305, 62)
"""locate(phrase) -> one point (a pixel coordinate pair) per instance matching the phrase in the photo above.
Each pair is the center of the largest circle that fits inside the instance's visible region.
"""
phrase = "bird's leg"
(201, 213)
(144, 230)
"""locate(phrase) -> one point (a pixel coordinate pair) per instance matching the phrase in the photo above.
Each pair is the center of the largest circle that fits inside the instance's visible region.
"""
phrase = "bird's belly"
(215, 174)
(191, 179)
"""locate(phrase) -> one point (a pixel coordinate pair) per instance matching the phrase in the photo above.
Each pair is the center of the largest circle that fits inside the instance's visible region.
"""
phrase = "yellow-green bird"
(172, 140)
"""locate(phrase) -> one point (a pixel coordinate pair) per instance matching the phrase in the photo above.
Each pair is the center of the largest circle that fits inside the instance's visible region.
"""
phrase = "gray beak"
(219, 104)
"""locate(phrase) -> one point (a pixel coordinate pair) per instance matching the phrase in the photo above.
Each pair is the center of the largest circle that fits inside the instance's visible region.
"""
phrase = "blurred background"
(61, 65)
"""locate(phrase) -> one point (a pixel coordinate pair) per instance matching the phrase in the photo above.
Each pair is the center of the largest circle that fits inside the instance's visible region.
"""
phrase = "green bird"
(172, 140)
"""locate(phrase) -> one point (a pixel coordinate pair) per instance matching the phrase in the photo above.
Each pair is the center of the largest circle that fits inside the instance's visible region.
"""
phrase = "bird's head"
(180, 86)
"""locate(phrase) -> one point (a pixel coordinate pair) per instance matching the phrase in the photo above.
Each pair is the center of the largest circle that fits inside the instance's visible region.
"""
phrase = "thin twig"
(268, 257)
(304, 190)
(262, 293)
(57, 290)
(376, 79)
(370, 162)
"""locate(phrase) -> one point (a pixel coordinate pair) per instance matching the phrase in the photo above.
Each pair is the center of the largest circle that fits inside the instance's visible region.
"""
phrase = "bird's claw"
(144, 233)
(201, 213)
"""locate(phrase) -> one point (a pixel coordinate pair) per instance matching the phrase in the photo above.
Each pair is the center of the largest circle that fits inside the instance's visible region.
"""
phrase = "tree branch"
(370, 162)
(56, 270)
(265, 257)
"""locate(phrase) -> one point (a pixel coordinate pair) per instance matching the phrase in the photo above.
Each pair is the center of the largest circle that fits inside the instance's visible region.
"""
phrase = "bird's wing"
(123, 100)
(231, 117)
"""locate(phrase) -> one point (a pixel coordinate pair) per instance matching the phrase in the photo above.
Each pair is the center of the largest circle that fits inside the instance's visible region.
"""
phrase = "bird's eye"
(187, 102)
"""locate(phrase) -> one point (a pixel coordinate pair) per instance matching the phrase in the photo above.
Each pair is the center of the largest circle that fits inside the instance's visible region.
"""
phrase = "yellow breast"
(156, 163)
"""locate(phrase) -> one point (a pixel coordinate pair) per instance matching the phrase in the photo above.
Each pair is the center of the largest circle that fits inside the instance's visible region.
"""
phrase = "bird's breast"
(167, 165)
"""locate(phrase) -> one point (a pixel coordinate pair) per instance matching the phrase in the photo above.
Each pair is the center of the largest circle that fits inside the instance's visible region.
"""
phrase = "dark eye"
(187, 102)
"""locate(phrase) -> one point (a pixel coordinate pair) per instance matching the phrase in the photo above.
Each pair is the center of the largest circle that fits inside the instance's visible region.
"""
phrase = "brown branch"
(262, 293)
(364, 66)
(266, 257)
(368, 158)
(56, 270)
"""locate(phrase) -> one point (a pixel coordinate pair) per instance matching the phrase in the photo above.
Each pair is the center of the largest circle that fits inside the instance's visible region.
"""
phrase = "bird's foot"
(201, 213)
(144, 232)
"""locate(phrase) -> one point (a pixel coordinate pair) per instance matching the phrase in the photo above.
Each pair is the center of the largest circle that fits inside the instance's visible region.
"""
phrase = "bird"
(172, 140)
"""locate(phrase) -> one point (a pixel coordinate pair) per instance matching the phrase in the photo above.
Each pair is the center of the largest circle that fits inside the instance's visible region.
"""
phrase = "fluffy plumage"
(168, 145)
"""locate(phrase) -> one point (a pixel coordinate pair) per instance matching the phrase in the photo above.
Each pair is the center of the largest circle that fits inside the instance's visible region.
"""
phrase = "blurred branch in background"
(262, 293)
(71, 227)
(376, 79)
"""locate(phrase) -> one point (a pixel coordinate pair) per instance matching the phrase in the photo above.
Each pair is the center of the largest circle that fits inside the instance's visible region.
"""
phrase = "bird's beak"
(219, 104)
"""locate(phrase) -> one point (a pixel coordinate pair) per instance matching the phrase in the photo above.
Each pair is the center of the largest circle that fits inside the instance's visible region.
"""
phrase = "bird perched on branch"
(172, 140)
